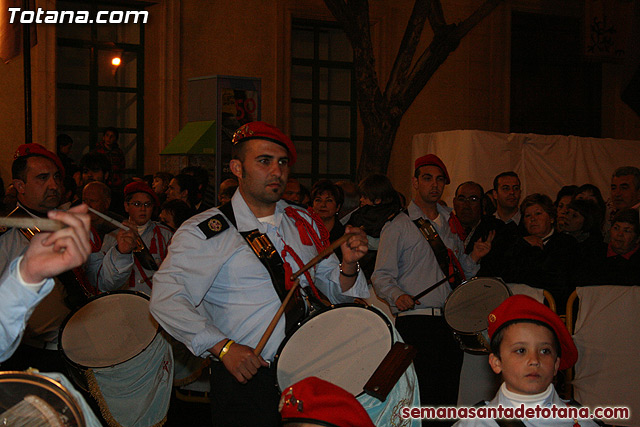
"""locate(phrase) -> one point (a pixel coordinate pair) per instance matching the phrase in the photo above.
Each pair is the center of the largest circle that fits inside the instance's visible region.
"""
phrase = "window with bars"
(92, 92)
(323, 102)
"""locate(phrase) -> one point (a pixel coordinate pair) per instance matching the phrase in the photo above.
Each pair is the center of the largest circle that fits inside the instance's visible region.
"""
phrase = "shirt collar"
(611, 253)
(515, 218)
(246, 220)
(415, 212)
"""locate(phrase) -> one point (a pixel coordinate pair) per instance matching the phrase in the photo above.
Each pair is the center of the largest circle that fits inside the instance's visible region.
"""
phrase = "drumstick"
(328, 250)
(432, 287)
(43, 224)
(275, 320)
(294, 277)
(109, 219)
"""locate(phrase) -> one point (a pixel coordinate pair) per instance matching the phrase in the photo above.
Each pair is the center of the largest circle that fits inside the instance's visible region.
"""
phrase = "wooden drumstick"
(109, 219)
(43, 224)
(294, 277)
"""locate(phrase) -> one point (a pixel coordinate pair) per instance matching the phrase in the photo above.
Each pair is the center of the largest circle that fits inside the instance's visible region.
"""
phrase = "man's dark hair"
(478, 186)
(238, 151)
(629, 170)
(114, 130)
(378, 186)
(95, 161)
(63, 140)
(19, 166)
(229, 191)
(179, 209)
(498, 335)
(199, 173)
(502, 175)
(189, 183)
(164, 176)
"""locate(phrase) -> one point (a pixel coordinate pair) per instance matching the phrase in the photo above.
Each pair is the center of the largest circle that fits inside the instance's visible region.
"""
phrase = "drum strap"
(266, 252)
(446, 258)
(75, 283)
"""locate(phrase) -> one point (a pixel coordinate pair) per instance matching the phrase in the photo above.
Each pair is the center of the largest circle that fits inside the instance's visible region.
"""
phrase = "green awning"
(194, 138)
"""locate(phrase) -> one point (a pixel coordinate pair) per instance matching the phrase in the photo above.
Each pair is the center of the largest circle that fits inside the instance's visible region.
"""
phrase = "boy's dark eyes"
(520, 350)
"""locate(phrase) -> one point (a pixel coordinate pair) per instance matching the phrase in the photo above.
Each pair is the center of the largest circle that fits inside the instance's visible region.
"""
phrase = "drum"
(28, 399)
(113, 351)
(343, 344)
(467, 308)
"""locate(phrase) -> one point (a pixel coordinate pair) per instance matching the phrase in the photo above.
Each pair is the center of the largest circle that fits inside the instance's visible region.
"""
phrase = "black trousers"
(439, 358)
(252, 404)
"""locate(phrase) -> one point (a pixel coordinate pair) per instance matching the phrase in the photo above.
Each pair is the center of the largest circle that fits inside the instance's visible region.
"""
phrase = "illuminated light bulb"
(116, 61)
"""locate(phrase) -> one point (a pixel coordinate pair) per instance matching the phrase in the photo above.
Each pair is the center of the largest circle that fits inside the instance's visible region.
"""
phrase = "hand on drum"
(482, 247)
(50, 254)
(355, 247)
(405, 302)
(242, 363)
(127, 240)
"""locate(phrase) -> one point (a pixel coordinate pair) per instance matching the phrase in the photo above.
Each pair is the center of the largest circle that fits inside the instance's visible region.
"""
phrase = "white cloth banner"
(544, 163)
(608, 369)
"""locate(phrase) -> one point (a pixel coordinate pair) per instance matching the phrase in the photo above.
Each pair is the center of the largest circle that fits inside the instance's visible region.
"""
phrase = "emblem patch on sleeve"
(214, 225)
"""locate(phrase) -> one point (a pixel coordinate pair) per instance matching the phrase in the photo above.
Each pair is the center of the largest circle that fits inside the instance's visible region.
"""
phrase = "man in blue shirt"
(215, 295)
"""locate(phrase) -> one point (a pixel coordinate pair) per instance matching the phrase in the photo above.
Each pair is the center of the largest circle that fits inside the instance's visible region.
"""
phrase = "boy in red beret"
(529, 343)
(115, 266)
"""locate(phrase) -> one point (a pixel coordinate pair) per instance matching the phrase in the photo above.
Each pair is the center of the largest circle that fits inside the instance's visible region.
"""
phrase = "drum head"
(343, 345)
(468, 306)
(110, 329)
(31, 399)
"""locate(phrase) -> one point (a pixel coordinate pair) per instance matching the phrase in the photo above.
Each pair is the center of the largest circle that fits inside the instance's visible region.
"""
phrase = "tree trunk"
(376, 149)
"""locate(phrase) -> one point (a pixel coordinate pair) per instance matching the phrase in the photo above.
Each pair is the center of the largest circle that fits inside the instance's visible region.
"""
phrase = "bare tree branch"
(436, 16)
(407, 50)
(438, 50)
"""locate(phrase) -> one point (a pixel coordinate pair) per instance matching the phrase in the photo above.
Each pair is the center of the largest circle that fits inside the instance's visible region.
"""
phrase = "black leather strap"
(439, 250)
(268, 255)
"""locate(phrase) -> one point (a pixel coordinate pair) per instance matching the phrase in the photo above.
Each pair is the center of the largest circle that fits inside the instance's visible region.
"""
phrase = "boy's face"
(528, 358)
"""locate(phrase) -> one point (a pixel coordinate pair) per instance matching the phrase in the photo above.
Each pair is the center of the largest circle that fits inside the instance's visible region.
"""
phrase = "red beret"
(262, 130)
(35, 149)
(522, 307)
(432, 160)
(313, 399)
(141, 187)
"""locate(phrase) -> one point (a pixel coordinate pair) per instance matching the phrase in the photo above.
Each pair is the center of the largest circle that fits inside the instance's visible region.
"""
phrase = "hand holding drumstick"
(50, 254)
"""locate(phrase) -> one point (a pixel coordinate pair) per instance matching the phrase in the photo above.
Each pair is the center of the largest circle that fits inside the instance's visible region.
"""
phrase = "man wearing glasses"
(467, 205)
(118, 267)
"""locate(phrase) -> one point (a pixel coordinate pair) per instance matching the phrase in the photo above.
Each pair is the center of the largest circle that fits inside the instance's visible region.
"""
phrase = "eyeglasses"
(138, 204)
(470, 199)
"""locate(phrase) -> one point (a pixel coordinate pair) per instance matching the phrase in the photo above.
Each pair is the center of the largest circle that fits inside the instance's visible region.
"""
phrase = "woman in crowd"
(326, 200)
(544, 258)
(591, 192)
(564, 197)
(618, 262)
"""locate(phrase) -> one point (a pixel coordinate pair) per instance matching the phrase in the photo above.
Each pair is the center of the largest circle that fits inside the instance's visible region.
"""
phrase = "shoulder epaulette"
(213, 226)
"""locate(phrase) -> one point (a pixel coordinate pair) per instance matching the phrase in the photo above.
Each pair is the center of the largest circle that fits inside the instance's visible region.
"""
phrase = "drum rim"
(93, 298)
(55, 387)
(300, 324)
(446, 301)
